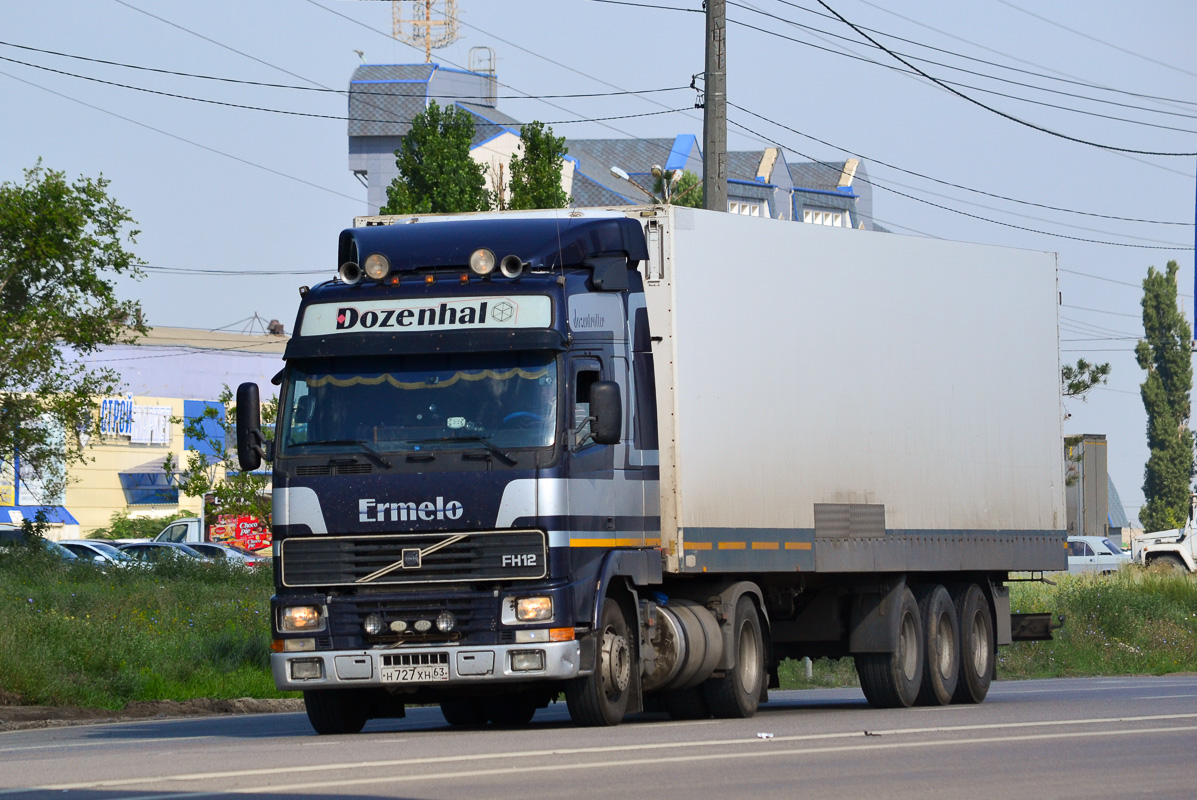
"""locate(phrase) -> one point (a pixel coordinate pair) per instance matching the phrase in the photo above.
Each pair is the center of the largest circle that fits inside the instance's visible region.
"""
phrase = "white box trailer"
(836, 400)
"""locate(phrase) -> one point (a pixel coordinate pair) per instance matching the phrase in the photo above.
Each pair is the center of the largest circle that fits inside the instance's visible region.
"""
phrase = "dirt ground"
(15, 715)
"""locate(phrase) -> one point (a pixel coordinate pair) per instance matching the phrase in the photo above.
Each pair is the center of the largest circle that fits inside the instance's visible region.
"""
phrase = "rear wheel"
(335, 711)
(892, 680)
(464, 712)
(941, 654)
(601, 698)
(977, 646)
(737, 694)
(511, 710)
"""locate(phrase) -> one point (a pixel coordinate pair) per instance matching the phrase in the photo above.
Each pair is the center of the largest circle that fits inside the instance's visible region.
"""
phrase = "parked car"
(227, 552)
(157, 552)
(100, 552)
(1095, 554)
(54, 548)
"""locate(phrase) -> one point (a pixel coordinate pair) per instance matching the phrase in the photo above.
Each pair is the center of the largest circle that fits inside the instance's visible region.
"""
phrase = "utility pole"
(714, 117)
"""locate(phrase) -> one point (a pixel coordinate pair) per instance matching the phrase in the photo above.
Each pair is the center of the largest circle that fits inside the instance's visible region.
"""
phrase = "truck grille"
(413, 558)
(473, 614)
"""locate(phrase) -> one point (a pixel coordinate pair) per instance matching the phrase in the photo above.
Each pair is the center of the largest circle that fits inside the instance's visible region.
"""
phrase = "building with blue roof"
(383, 98)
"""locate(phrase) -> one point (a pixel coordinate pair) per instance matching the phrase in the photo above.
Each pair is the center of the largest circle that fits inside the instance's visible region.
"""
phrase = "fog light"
(373, 624)
(445, 622)
(299, 645)
(398, 626)
(534, 609)
(422, 626)
(307, 669)
(302, 618)
(527, 660)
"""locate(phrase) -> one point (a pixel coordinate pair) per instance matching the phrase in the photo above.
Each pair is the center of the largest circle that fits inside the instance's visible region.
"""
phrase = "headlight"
(373, 624)
(302, 618)
(445, 622)
(534, 609)
(377, 266)
(482, 262)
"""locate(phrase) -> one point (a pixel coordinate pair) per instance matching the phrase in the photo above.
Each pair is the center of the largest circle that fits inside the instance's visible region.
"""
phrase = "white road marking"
(573, 751)
(64, 745)
(767, 751)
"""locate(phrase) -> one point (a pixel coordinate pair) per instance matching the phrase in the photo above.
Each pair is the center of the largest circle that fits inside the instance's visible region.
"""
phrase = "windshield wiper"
(482, 440)
(379, 457)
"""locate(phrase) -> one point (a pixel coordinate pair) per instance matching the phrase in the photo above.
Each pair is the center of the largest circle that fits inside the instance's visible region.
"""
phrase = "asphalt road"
(1084, 738)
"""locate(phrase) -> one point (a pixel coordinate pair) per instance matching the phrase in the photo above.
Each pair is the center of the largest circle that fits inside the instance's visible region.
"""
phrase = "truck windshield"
(421, 403)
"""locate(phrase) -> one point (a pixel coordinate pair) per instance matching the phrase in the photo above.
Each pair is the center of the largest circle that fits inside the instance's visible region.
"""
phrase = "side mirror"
(250, 441)
(606, 408)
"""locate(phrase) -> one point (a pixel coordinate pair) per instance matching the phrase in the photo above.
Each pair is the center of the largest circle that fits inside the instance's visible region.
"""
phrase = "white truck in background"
(1173, 549)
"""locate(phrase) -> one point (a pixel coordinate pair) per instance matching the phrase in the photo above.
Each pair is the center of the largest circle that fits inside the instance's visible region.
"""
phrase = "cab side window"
(586, 373)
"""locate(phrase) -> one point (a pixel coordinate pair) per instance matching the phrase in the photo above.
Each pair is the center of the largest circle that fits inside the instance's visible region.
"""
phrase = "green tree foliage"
(536, 177)
(686, 191)
(1079, 379)
(61, 244)
(1165, 353)
(436, 173)
(233, 491)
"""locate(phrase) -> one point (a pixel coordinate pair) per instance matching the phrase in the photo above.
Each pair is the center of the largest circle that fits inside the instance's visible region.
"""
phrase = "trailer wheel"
(601, 698)
(941, 654)
(892, 680)
(737, 695)
(685, 704)
(1166, 562)
(977, 647)
(464, 712)
(334, 711)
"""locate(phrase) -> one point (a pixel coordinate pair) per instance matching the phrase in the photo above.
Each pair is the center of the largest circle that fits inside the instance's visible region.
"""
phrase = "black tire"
(941, 647)
(465, 712)
(977, 643)
(510, 710)
(685, 704)
(892, 680)
(737, 694)
(601, 698)
(1166, 562)
(333, 711)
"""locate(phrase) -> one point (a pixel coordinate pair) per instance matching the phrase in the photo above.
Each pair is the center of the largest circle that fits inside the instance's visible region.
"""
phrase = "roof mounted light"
(377, 266)
(482, 262)
(350, 272)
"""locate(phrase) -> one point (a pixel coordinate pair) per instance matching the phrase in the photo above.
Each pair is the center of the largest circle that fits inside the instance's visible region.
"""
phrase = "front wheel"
(1168, 563)
(334, 711)
(737, 695)
(601, 698)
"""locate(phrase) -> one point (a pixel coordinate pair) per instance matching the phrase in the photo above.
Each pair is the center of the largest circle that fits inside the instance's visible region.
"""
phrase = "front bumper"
(467, 665)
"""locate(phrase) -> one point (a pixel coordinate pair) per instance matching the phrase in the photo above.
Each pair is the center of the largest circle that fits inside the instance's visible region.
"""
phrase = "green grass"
(73, 635)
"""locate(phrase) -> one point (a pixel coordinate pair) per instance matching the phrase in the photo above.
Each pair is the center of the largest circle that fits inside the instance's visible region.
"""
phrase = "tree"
(1084, 376)
(212, 467)
(60, 245)
(687, 191)
(1165, 353)
(536, 177)
(436, 173)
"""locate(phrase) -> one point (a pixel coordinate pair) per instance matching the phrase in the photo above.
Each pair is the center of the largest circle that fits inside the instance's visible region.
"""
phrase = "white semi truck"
(641, 455)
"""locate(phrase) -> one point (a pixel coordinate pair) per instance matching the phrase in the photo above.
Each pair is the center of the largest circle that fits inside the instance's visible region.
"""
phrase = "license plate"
(421, 674)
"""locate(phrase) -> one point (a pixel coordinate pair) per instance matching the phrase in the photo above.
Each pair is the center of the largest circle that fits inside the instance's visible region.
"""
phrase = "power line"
(938, 205)
(336, 117)
(183, 139)
(318, 89)
(993, 110)
(1102, 311)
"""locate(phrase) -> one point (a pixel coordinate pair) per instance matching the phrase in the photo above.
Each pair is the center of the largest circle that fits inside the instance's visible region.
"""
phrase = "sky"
(238, 207)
